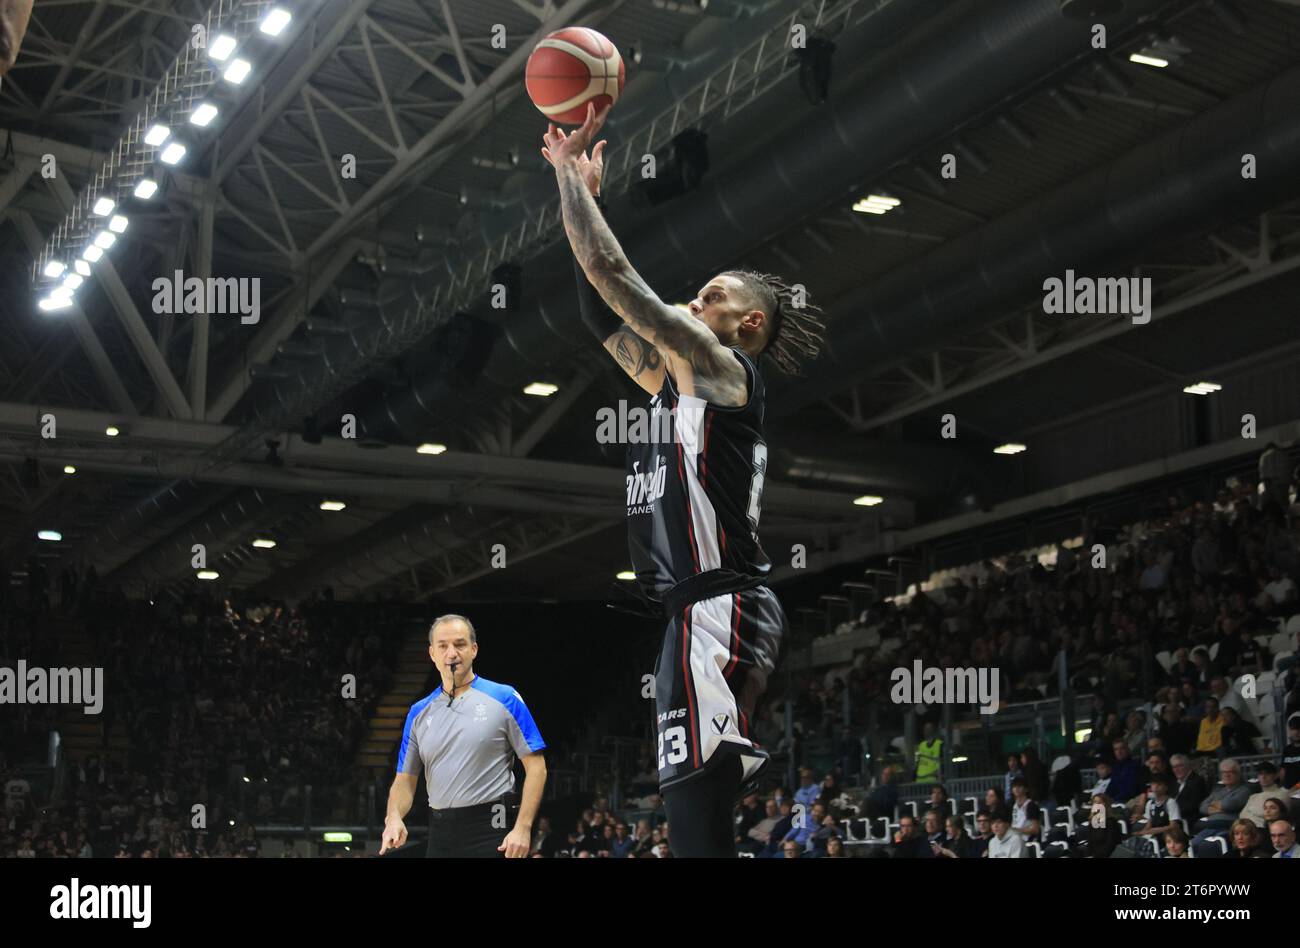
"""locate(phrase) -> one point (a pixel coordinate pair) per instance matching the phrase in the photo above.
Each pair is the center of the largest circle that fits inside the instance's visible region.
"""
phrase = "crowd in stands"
(1192, 616)
(231, 708)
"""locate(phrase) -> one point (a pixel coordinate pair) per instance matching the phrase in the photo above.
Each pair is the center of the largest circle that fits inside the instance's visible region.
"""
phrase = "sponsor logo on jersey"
(670, 715)
(645, 487)
(480, 712)
(721, 723)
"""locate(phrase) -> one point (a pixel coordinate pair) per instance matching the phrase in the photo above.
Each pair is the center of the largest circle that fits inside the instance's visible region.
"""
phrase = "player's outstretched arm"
(717, 375)
(14, 15)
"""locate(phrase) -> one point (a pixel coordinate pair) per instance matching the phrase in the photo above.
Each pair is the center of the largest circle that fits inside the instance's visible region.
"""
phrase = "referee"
(466, 736)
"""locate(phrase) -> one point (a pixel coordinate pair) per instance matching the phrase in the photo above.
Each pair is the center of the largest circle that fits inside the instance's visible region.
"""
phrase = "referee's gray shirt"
(468, 749)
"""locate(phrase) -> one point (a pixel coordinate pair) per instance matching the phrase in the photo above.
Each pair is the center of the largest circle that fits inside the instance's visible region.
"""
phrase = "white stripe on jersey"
(711, 622)
(689, 428)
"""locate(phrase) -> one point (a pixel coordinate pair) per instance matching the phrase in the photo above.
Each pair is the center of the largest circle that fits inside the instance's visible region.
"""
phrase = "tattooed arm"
(14, 15)
(701, 365)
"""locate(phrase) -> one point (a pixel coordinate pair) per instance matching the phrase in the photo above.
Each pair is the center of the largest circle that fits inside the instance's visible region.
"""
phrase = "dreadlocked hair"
(799, 328)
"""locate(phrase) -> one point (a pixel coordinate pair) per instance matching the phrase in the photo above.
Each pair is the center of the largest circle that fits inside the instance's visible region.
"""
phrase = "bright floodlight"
(1148, 60)
(49, 304)
(223, 44)
(431, 449)
(73, 280)
(542, 389)
(203, 115)
(173, 153)
(82, 267)
(69, 469)
(273, 23)
(146, 189)
(332, 505)
(62, 294)
(157, 135)
(54, 269)
(208, 574)
(112, 431)
(626, 575)
(237, 71)
(1010, 447)
(869, 500)
(264, 544)
(54, 536)
(92, 253)
(104, 206)
(118, 224)
(105, 239)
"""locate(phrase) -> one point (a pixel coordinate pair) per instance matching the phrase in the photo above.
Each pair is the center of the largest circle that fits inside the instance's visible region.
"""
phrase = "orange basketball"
(570, 68)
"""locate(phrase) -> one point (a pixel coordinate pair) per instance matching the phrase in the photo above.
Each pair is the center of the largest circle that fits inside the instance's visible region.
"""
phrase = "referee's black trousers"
(467, 832)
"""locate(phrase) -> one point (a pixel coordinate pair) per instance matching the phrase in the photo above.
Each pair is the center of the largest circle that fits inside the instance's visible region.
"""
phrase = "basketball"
(570, 68)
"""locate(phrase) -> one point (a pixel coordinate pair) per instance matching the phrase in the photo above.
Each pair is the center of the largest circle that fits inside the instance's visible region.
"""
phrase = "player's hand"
(517, 844)
(394, 836)
(570, 146)
(592, 169)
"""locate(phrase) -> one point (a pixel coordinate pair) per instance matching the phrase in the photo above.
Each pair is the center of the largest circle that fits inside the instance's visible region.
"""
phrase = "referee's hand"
(517, 844)
(394, 836)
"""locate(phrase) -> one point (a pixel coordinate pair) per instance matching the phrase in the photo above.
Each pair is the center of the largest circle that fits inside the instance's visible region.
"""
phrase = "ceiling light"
(237, 71)
(203, 115)
(157, 135)
(431, 449)
(49, 304)
(105, 239)
(54, 536)
(73, 281)
(1148, 60)
(223, 44)
(118, 224)
(273, 23)
(54, 269)
(332, 505)
(146, 189)
(81, 266)
(1009, 448)
(112, 431)
(69, 469)
(92, 253)
(61, 293)
(869, 500)
(543, 389)
(104, 206)
(1203, 388)
(626, 575)
(208, 574)
(876, 204)
(173, 153)
(264, 544)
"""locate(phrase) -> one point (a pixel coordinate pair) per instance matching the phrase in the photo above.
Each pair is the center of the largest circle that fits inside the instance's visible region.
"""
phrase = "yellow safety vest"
(928, 756)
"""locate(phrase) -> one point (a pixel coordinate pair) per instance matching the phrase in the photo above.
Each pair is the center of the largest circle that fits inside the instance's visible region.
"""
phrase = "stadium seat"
(1277, 659)
(1280, 642)
(1035, 848)
(1293, 624)
(1165, 659)
(1214, 651)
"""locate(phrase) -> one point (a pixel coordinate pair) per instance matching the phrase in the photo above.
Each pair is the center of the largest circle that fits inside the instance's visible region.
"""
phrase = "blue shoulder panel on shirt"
(515, 705)
(410, 719)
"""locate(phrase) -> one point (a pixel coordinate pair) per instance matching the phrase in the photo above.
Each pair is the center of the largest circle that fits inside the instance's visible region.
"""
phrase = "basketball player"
(693, 503)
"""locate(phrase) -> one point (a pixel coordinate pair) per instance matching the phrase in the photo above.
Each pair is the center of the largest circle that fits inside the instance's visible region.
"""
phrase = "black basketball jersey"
(694, 493)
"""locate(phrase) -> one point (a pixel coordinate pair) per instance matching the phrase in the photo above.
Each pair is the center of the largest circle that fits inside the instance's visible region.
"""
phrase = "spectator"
(1176, 733)
(835, 848)
(1035, 773)
(1210, 736)
(1282, 833)
(1124, 775)
(1221, 807)
(1291, 753)
(883, 797)
(756, 838)
(1026, 815)
(983, 833)
(804, 825)
(956, 843)
(1161, 812)
(1005, 844)
(908, 843)
(1266, 774)
(808, 791)
(750, 813)
(1176, 843)
(934, 831)
(1013, 772)
(939, 799)
(1190, 789)
(1245, 841)
(784, 823)
(929, 755)
(791, 850)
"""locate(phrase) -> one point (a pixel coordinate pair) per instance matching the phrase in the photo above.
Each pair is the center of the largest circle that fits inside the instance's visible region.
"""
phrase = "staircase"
(409, 686)
(83, 734)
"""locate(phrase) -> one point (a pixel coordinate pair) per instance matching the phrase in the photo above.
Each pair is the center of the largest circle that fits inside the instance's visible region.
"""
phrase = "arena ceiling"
(931, 308)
